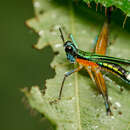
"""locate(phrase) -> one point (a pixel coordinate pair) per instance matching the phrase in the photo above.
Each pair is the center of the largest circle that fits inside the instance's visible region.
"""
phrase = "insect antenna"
(62, 37)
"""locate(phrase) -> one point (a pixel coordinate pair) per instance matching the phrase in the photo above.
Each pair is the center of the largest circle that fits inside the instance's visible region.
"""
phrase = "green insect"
(95, 61)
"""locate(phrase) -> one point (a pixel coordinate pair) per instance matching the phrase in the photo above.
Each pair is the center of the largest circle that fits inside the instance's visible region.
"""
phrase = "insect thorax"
(70, 57)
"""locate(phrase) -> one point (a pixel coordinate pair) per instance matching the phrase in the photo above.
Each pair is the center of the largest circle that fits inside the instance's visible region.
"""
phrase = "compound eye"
(68, 49)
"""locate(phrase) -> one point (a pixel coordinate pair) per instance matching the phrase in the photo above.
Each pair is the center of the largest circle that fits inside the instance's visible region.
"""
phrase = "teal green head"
(70, 47)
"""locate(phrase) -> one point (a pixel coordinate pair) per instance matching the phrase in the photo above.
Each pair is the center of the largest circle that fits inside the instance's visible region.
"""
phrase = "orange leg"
(97, 77)
(102, 40)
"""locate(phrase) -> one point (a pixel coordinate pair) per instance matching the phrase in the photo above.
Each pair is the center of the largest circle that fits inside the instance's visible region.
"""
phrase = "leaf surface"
(81, 107)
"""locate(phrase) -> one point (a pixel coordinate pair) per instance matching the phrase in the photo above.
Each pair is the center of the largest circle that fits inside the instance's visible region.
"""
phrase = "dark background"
(20, 66)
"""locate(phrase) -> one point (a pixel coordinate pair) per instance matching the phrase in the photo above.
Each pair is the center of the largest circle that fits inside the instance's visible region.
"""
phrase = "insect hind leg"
(100, 83)
(107, 105)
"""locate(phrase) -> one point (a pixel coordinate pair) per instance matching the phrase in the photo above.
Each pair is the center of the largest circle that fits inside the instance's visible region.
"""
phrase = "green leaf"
(81, 107)
(124, 5)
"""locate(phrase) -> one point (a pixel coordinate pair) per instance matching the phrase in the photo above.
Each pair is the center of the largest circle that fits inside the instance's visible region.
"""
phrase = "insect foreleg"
(65, 76)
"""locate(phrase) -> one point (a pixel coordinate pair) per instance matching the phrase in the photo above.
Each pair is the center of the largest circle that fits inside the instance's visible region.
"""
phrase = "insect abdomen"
(117, 69)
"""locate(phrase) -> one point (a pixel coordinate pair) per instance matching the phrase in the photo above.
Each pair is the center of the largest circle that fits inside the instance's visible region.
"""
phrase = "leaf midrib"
(75, 74)
(77, 100)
